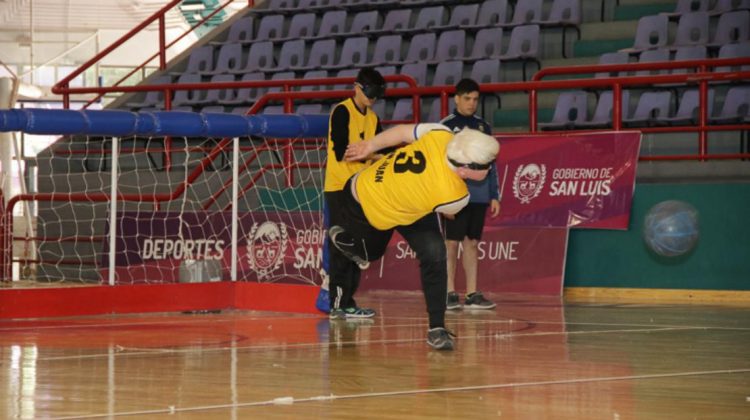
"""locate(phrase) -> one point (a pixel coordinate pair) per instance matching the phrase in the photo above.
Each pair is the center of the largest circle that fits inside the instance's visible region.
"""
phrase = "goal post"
(239, 200)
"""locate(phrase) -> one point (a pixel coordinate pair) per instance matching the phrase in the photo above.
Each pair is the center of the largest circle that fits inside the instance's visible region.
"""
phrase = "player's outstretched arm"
(394, 136)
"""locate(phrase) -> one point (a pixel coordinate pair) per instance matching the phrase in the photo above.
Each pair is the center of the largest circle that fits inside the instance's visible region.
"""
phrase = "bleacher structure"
(436, 42)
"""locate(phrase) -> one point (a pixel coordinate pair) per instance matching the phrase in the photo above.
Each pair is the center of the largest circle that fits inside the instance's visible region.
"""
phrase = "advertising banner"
(576, 180)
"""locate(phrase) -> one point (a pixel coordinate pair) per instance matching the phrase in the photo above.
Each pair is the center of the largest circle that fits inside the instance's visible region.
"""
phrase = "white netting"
(174, 212)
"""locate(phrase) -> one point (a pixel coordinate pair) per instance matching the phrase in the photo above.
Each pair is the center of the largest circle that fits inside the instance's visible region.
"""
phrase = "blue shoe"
(323, 303)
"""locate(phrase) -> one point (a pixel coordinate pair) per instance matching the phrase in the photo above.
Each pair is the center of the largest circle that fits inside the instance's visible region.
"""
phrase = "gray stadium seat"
(563, 12)
(246, 95)
(201, 60)
(723, 6)
(488, 43)
(345, 73)
(616, 57)
(653, 56)
(689, 6)
(651, 33)
(301, 26)
(331, 24)
(387, 50)
(315, 74)
(362, 22)
(523, 46)
(322, 53)
(526, 12)
(270, 28)
(215, 96)
(229, 60)
(259, 57)
(291, 55)
(461, 16)
(448, 73)
(692, 29)
(733, 27)
(491, 13)
(734, 51)
(651, 106)
(603, 113)
(570, 110)
(353, 54)
(188, 97)
(417, 70)
(427, 19)
(241, 31)
(403, 110)
(695, 52)
(450, 46)
(736, 107)
(153, 99)
(421, 48)
(687, 111)
(486, 71)
(395, 20)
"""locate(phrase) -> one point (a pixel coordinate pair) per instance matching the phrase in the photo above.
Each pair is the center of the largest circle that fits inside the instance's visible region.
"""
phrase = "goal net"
(136, 209)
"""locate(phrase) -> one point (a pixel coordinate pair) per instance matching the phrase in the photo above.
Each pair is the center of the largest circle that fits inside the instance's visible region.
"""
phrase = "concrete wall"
(720, 261)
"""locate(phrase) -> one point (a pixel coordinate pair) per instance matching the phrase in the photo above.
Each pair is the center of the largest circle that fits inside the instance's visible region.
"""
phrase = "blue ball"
(671, 228)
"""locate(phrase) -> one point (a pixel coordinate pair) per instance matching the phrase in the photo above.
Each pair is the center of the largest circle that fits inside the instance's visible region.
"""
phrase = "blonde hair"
(473, 146)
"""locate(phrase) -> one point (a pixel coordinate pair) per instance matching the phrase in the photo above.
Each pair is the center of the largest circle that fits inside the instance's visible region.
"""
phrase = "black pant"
(423, 236)
(344, 274)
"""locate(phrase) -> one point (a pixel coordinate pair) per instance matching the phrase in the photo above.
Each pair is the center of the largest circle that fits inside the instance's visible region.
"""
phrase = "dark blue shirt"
(487, 189)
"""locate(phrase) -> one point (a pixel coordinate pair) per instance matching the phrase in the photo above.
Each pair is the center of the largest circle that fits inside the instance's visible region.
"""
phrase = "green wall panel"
(720, 261)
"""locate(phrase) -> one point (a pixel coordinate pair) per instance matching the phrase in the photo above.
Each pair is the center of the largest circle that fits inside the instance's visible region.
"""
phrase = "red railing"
(702, 77)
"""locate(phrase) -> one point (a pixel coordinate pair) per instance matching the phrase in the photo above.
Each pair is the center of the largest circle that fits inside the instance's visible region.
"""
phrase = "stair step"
(637, 11)
(505, 118)
(597, 48)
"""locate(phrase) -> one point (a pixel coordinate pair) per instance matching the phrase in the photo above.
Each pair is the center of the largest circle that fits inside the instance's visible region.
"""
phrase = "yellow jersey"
(347, 125)
(406, 185)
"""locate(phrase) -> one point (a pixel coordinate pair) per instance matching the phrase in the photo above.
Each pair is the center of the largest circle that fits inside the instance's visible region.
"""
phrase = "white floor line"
(286, 400)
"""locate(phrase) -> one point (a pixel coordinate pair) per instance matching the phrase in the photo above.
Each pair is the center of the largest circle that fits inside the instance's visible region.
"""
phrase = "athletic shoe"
(345, 244)
(352, 313)
(440, 338)
(477, 300)
(337, 314)
(453, 301)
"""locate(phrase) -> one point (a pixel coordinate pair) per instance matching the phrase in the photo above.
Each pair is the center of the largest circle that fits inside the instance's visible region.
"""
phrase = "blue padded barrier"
(162, 123)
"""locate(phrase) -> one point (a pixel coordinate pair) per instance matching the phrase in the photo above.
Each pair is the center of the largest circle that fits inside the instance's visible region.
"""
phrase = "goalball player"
(402, 191)
(351, 121)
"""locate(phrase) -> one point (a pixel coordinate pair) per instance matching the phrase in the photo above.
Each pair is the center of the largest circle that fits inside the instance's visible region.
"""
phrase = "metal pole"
(702, 116)
(617, 107)
(113, 209)
(235, 200)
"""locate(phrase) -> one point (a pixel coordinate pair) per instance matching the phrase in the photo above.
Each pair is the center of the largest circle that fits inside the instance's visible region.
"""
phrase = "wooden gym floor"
(529, 358)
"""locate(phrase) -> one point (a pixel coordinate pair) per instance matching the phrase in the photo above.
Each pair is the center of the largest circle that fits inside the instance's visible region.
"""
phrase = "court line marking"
(136, 351)
(288, 400)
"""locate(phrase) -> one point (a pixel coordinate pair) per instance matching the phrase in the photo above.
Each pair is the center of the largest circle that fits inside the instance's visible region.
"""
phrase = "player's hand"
(449, 216)
(494, 208)
(358, 151)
